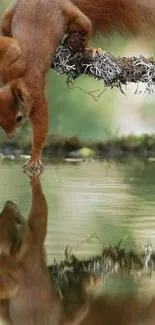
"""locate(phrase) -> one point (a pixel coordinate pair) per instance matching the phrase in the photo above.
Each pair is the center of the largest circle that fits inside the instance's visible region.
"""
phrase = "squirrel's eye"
(18, 221)
(19, 117)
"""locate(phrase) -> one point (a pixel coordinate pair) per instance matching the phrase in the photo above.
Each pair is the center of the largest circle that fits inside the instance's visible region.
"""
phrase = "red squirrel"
(27, 294)
(31, 32)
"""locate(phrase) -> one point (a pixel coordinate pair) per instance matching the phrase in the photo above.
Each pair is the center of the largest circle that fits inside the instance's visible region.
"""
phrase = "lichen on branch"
(72, 59)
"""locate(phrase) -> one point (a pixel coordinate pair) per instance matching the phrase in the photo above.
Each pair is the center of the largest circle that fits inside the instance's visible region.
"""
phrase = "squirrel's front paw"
(33, 167)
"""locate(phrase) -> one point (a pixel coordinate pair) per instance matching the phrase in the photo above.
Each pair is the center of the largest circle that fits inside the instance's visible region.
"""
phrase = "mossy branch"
(71, 59)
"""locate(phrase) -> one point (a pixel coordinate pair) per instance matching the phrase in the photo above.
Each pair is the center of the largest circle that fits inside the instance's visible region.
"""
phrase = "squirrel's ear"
(19, 94)
(16, 91)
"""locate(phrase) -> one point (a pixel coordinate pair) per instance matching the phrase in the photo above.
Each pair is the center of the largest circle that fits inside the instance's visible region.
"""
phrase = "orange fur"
(36, 28)
(124, 16)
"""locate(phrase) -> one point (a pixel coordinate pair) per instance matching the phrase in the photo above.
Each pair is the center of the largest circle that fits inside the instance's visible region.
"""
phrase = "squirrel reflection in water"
(27, 295)
(27, 291)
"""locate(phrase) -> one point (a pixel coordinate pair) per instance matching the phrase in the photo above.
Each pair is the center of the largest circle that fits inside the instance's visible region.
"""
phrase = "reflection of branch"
(71, 59)
(112, 260)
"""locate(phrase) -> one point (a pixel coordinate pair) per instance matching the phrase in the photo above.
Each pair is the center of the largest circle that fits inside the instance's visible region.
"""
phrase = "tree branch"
(71, 59)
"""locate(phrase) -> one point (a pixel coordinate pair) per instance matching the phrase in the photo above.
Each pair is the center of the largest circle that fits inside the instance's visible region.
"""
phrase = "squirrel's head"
(13, 112)
(13, 227)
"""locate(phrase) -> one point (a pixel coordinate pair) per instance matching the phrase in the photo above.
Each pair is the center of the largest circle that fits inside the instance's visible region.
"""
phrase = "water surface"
(110, 199)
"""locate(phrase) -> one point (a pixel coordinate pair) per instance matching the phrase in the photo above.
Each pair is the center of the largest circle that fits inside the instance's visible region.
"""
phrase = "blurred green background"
(75, 112)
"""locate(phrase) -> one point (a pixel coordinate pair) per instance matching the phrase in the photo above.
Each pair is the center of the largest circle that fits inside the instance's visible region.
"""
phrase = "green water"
(110, 199)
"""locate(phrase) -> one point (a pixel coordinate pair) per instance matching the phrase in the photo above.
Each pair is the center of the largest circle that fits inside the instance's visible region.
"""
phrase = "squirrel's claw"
(33, 167)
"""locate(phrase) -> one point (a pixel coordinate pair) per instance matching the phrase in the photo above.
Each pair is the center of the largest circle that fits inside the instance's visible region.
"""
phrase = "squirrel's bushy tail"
(123, 16)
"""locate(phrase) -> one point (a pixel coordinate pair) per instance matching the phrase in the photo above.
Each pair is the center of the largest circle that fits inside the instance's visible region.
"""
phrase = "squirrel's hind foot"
(94, 51)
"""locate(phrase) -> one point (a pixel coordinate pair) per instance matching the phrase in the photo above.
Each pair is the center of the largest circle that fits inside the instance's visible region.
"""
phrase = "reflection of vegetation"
(72, 271)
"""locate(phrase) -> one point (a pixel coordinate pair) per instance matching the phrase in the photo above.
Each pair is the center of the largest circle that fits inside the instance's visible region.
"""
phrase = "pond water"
(111, 199)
